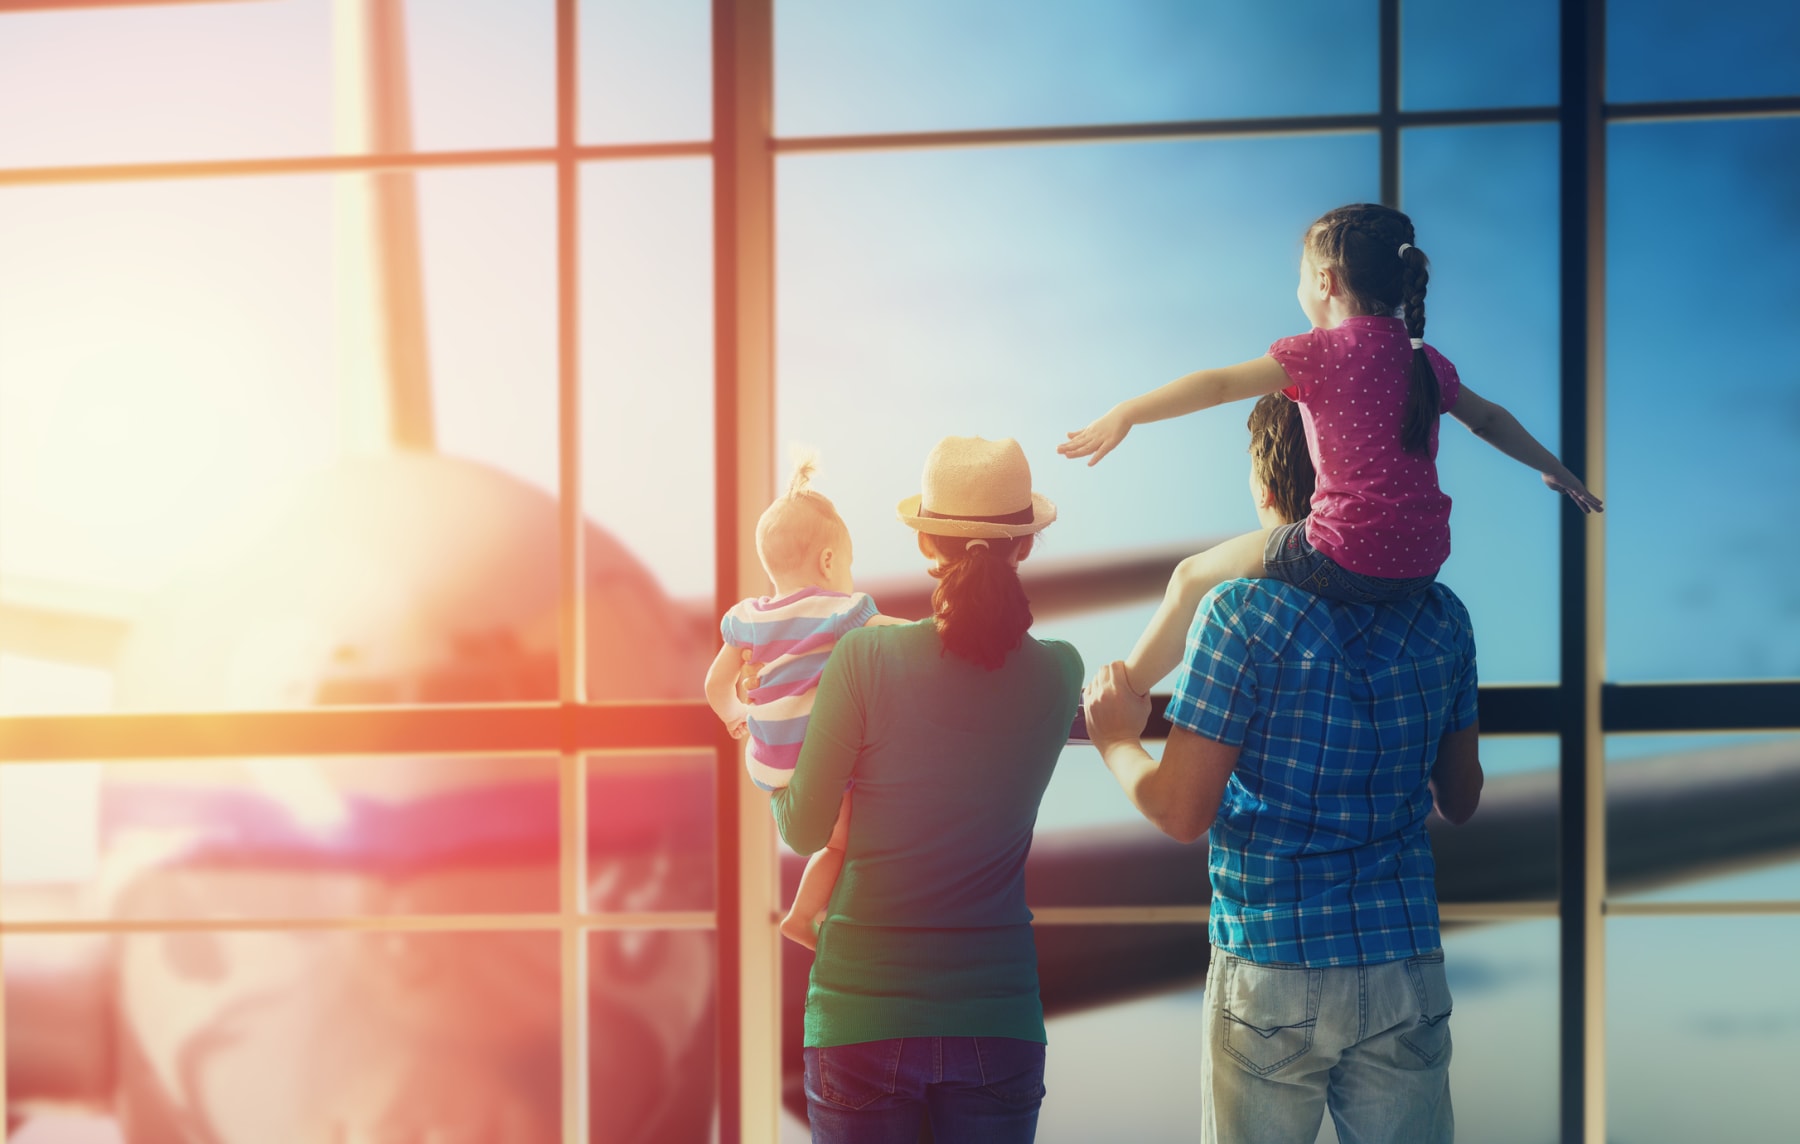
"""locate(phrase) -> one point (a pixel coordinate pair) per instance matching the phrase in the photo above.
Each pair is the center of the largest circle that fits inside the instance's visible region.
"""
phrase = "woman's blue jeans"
(975, 1089)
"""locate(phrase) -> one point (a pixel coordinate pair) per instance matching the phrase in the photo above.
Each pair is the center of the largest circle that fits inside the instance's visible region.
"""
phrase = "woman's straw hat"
(975, 487)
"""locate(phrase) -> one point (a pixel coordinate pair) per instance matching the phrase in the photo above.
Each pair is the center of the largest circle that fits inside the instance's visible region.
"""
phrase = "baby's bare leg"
(1160, 648)
(813, 894)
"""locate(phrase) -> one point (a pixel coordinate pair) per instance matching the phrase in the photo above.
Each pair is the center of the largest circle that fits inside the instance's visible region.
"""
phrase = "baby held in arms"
(804, 547)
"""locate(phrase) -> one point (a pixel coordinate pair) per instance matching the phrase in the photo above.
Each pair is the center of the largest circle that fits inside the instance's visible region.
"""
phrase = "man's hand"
(1570, 485)
(1115, 713)
(1099, 438)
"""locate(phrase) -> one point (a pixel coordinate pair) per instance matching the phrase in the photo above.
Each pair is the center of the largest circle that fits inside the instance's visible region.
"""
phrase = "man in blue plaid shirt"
(1312, 738)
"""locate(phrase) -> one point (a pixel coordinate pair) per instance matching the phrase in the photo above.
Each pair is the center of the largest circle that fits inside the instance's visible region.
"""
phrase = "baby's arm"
(1189, 393)
(721, 689)
(880, 621)
(1493, 424)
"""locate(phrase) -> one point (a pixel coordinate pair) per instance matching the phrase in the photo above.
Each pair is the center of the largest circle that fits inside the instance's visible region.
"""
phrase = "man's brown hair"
(1278, 455)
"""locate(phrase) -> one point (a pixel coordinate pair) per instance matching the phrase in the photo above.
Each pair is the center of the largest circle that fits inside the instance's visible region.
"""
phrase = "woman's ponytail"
(1423, 399)
(979, 605)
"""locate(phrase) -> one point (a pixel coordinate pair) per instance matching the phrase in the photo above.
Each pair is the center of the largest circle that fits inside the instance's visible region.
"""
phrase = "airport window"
(388, 390)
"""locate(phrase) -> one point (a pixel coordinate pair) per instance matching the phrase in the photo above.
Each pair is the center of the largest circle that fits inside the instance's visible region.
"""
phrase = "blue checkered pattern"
(1319, 854)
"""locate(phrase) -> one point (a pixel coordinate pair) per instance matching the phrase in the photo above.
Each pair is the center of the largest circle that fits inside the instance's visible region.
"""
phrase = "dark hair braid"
(1423, 399)
(1362, 242)
(979, 606)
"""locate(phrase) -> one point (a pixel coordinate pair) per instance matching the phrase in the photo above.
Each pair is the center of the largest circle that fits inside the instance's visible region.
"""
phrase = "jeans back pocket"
(1269, 1013)
(1429, 1038)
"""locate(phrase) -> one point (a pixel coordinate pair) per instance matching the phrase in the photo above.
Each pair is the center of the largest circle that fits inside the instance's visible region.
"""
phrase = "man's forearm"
(1141, 778)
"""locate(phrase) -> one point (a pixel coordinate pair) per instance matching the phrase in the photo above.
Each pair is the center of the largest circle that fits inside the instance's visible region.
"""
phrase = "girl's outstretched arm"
(1493, 424)
(1189, 393)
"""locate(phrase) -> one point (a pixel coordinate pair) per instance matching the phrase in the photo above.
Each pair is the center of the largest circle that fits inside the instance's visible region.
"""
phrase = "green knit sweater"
(927, 933)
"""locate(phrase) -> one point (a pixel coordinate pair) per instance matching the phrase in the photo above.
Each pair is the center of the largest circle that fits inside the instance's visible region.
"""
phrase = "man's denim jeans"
(1369, 1042)
(975, 1089)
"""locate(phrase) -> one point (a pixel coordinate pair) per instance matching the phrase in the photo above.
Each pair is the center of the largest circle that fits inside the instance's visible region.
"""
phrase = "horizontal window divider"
(1739, 705)
(422, 923)
(1618, 909)
(1519, 709)
(1172, 129)
(1118, 915)
(1495, 911)
(1676, 109)
(492, 729)
(343, 164)
(1199, 914)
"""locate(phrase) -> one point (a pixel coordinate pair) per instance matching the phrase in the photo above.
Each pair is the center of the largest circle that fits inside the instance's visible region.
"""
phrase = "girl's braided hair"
(1362, 243)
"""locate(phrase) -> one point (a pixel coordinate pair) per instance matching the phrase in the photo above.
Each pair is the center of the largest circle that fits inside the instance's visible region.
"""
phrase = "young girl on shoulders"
(1370, 391)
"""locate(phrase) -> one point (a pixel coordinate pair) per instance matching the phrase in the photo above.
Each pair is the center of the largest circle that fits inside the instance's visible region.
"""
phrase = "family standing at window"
(1325, 704)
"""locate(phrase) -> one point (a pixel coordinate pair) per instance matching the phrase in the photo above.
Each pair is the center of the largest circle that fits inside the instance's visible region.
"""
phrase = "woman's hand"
(749, 678)
(1099, 438)
(1115, 713)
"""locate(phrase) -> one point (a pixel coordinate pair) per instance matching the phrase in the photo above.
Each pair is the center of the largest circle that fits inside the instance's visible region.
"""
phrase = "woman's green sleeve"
(806, 809)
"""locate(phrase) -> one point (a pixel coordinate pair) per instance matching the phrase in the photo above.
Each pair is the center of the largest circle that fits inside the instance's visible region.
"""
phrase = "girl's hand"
(1098, 439)
(1570, 485)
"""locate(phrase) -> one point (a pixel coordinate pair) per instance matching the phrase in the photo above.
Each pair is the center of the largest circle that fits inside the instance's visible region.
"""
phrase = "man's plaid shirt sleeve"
(1215, 694)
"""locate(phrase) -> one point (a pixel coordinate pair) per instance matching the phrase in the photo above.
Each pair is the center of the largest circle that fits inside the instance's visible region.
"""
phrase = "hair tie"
(1418, 343)
(978, 542)
(1404, 247)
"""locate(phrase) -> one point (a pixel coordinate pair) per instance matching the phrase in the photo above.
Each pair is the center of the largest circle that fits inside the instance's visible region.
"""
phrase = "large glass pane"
(139, 83)
(167, 81)
(1702, 1028)
(653, 1037)
(1507, 852)
(1020, 293)
(285, 837)
(1667, 49)
(1466, 53)
(1703, 416)
(482, 73)
(646, 70)
(289, 1036)
(1703, 818)
(279, 442)
(1128, 1070)
(907, 65)
(1484, 203)
(652, 832)
(647, 445)
(1503, 1075)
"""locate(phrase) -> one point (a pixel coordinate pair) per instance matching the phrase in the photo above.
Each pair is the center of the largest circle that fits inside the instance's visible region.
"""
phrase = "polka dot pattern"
(1376, 509)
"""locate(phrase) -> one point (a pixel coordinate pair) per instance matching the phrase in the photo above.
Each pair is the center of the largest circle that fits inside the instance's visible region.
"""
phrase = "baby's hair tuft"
(806, 463)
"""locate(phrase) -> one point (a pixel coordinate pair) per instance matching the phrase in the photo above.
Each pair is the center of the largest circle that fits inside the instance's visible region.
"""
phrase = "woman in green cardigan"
(924, 992)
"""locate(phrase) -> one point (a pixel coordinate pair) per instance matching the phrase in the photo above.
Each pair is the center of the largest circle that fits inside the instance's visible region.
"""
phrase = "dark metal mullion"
(1644, 707)
(728, 841)
(572, 818)
(1669, 109)
(1581, 823)
(1389, 116)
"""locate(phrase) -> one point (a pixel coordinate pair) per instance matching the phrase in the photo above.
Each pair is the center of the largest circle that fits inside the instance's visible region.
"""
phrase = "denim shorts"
(1291, 558)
